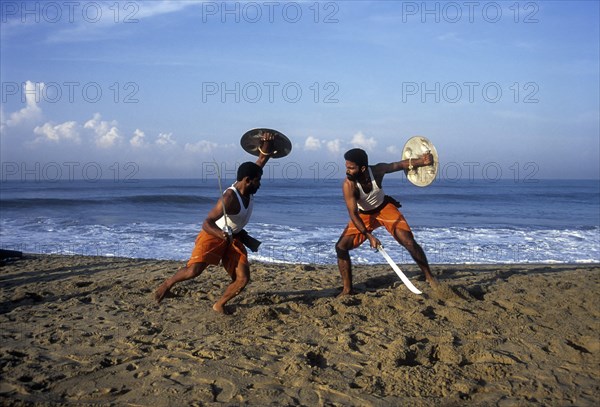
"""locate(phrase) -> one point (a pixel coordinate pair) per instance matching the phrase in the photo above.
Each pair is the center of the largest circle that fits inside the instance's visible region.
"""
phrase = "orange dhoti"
(212, 250)
(389, 217)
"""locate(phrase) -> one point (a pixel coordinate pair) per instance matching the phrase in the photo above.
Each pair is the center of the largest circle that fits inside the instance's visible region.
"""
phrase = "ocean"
(299, 221)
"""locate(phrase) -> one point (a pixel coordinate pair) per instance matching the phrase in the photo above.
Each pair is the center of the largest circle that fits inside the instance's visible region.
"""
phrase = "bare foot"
(345, 293)
(220, 309)
(433, 282)
(161, 291)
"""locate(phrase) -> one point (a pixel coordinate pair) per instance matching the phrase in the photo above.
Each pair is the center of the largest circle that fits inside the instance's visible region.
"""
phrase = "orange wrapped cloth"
(212, 250)
(389, 217)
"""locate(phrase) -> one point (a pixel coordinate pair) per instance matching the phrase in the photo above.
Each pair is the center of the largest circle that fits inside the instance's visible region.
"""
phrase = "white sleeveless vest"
(238, 221)
(372, 200)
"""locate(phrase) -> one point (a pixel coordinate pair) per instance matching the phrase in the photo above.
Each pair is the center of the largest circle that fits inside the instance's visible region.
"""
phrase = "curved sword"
(226, 228)
(404, 279)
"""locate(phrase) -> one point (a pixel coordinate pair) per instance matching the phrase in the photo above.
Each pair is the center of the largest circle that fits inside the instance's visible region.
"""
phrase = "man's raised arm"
(265, 149)
(422, 161)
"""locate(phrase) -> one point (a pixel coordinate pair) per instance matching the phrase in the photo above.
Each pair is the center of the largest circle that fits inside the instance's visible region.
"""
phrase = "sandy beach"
(86, 330)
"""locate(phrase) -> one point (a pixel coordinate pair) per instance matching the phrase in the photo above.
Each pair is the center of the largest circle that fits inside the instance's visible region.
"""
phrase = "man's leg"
(184, 273)
(342, 249)
(406, 239)
(240, 280)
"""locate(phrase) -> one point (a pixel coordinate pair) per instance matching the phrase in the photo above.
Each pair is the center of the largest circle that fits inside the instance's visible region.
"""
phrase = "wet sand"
(86, 330)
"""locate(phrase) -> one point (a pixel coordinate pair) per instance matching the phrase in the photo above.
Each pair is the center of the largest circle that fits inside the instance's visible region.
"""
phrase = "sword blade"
(222, 199)
(399, 272)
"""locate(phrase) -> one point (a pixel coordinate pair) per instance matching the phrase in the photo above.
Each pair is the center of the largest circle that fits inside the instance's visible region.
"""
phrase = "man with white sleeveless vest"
(370, 208)
(214, 244)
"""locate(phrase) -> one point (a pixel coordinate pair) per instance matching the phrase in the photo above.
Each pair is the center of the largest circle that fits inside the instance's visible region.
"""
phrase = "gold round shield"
(414, 148)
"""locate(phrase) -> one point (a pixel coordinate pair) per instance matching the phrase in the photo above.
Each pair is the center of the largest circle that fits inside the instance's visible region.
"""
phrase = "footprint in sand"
(315, 359)
(222, 390)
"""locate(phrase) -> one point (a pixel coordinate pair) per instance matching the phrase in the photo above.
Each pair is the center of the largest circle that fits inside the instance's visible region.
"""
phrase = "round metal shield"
(414, 148)
(250, 142)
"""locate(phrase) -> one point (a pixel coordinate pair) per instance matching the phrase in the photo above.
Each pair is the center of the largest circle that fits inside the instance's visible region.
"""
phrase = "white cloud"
(138, 139)
(312, 143)
(109, 139)
(334, 146)
(449, 36)
(107, 133)
(56, 133)
(526, 45)
(2, 121)
(393, 150)
(104, 21)
(202, 146)
(165, 139)
(95, 123)
(94, 133)
(157, 8)
(360, 140)
(31, 112)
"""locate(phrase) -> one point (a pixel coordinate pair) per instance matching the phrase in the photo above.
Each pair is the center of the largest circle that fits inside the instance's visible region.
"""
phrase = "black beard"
(351, 177)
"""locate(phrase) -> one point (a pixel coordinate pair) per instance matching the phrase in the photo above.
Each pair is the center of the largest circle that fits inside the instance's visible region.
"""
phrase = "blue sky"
(160, 88)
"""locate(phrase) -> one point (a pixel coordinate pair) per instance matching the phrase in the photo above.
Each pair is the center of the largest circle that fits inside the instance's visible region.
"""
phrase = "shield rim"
(413, 176)
(250, 142)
